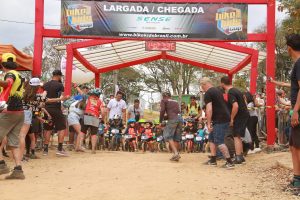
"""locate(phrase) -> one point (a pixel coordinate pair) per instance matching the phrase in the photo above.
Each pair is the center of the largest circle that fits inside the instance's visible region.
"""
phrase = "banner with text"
(154, 20)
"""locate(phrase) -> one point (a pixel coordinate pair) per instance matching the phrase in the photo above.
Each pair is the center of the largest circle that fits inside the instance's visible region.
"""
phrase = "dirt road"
(122, 176)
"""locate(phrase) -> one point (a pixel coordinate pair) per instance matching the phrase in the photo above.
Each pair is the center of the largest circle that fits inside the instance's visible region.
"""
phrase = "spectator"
(193, 109)
(253, 120)
(11, 118)
(75, 116)
(218, 119)
(91, 118)
(239, 116)
(117, 106)
(293, 45)
(135, 111)
(55, 94)
(32, 104)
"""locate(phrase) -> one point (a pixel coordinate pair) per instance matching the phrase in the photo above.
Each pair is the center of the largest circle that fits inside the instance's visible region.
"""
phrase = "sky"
(22, 35)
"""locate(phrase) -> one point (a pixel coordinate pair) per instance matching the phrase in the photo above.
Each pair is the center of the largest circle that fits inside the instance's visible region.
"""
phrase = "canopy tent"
(229, 61)
(107, 55)
(24, 61)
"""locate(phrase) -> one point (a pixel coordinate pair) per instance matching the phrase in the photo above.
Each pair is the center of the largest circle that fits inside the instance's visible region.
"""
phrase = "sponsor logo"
(79, 17)
(153, 19)
(229, 20)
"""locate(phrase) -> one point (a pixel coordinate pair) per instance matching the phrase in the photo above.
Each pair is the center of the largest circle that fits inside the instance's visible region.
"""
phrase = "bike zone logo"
(79, 17)
(229, 20)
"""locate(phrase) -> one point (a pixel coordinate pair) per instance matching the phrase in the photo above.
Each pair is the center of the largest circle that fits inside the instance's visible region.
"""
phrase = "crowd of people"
(226, 126)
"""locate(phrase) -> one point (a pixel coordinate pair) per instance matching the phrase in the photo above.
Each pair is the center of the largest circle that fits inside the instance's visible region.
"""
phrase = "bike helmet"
(190, 120)
(132, 120)
(156, 122)
(149, 122)
(117, 117)
(95, 91)
(142, 121)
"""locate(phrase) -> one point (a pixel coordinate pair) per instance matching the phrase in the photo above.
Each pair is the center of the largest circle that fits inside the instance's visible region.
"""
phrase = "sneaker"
(291, 187)
(62, 153)
(218, 157)
(175, 158)
(33, 156)
(243, 160)
(16, 174)
(211, 162)
(4, 169)
(45, 153)
(251, 152)
(297, 193)
(228, 165)
(93, 152)
(238, 160)
(257, 150)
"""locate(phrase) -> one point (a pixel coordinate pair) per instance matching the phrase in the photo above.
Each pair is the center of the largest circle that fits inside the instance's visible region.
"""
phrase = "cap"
(35, 82)
(7, 56)
(57, 72)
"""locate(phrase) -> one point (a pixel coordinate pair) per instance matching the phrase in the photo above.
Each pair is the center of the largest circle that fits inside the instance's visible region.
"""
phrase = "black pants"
(252, 127)
(27, 144)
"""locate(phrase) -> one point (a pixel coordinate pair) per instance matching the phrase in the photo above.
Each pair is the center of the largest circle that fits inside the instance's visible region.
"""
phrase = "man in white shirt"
(117, 106)
(135, 111)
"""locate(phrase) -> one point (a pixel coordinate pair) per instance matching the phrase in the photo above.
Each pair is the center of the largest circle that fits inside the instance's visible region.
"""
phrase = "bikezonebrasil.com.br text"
(153, 35)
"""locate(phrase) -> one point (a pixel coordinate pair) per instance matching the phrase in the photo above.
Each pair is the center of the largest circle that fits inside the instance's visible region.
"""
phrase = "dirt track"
(122, 176)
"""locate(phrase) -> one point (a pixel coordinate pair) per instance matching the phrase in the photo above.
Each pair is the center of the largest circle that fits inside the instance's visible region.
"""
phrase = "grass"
(148, 115)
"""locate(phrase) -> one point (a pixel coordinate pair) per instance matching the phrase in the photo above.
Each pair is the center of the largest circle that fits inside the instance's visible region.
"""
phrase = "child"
(132, 131)
(157, 130)
(101, 131)
(190, 127)
(158, 133)
(148, 131)
(115, 128)
(189, 132)
(201, 137)
(140, 128)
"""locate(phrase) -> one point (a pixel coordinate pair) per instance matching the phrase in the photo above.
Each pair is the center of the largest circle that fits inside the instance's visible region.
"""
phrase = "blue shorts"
(218, 134)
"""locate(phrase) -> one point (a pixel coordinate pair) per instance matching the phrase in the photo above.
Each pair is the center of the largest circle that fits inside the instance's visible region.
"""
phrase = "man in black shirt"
(238, 118)
(55, 94)
(293, 45)
(218, 119)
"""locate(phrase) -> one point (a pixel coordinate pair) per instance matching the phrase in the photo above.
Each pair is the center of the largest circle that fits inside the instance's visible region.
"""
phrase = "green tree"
(51, 57)
(283, 61)
(241, 81)
(292, 7)
(129, 81)
(164, 74)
